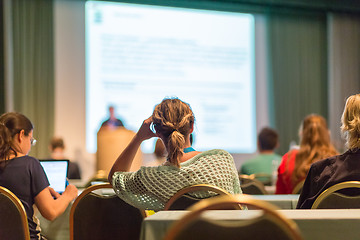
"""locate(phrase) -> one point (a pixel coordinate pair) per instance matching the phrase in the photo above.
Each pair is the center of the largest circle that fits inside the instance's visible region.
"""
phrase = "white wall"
(70, 82)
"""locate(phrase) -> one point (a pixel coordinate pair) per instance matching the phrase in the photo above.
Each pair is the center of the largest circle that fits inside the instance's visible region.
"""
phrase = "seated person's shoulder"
(214, 153)
(277, 156)
(325, 162)
(217, 152)
(31, 161)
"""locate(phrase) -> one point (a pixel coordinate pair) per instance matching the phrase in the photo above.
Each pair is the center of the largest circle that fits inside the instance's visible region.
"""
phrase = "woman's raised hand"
(145, 131)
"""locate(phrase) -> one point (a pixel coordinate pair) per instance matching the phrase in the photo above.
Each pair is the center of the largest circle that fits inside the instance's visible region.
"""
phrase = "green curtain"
(2, 58)
(33, 49)
(344, 68)
(297, 74)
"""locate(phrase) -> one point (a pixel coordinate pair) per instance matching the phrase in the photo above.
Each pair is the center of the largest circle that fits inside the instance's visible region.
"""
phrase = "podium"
(110, 143)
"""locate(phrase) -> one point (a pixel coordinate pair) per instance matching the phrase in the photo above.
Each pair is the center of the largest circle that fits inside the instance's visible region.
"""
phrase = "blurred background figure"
(112, 122)
(315, 145)
(267, 159)
(57, 149)
(159, 153)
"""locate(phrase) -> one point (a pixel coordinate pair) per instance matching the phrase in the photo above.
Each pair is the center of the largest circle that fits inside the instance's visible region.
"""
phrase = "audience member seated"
(152, 187)
(57, 148)
(112, 122)
(264, 162)
(340, 168)
(24, 176)
(314, 145)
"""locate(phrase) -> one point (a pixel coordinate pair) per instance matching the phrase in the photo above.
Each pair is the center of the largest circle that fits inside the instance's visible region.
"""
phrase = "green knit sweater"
(151, 187)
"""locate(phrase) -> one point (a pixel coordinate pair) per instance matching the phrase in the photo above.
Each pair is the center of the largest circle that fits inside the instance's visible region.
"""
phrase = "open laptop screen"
(56, 172)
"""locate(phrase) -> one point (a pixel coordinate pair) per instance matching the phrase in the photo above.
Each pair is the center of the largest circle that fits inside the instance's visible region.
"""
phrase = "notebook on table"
(56, 172)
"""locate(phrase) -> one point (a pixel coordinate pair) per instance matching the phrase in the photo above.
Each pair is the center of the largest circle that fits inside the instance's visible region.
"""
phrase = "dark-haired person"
(151, 187)
(263, 162)
(315, 145)
(24, 176)
(345, 167)
(57, 148)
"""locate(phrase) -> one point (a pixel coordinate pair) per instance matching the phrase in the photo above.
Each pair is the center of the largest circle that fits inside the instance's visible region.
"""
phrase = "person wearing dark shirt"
(112, 122)
(24, 176)
(57, 148)
(340, 168)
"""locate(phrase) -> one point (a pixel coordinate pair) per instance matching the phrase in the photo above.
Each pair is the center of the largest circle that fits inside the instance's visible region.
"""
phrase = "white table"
(282, 201)
(270, 189)
(329, 224)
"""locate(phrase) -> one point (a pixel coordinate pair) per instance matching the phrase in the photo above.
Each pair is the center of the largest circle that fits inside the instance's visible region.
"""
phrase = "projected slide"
(138, 54)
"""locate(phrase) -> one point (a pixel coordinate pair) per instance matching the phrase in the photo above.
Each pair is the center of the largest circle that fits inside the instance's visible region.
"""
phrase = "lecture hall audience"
(345, 167)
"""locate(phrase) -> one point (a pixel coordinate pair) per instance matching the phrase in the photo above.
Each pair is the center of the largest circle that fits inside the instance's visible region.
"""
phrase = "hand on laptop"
(71, 191)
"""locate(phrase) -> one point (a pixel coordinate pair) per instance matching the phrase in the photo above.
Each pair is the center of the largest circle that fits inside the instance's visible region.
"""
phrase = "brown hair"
(350, 120)
(173, 119)
(56, 142)
(314, 145)
(11, 124)
(268, 139)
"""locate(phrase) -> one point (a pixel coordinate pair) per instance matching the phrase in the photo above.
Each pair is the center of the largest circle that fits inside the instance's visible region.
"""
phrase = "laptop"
(56, 172)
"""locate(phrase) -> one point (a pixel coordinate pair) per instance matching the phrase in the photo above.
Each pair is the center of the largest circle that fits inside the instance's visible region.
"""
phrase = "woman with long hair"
(151, 187)
(24, 176)
(315, 145)
(340, 168)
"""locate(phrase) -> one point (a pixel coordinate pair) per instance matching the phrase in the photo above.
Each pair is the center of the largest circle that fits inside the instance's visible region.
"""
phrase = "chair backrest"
(97, 216)
(298, 188)
(264, 178)
(336, 196)
(182, 200)
(252, 186)
(110, 143)
(13, 218)
(268, 225)
(100, 177)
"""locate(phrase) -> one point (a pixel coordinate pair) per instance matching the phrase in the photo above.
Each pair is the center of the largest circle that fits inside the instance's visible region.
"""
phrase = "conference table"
(59, 228)
(314, 224)
(282, 201)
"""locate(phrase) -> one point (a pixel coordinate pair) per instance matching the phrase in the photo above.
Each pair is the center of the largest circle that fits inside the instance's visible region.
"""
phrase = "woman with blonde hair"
(314, 145)
(340, 168)
(151, 187)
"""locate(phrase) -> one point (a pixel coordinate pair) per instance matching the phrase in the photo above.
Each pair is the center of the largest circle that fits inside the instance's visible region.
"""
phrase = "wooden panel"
(110, 143)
